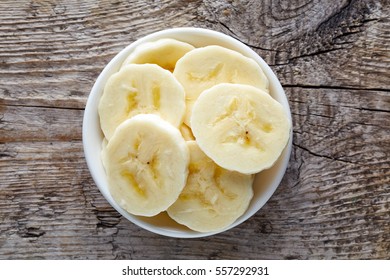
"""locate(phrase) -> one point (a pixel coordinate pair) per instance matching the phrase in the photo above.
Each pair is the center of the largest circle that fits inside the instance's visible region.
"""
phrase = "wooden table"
(332, 58)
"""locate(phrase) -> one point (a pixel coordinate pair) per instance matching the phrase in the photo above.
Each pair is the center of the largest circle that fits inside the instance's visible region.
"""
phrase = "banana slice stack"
(185, 131)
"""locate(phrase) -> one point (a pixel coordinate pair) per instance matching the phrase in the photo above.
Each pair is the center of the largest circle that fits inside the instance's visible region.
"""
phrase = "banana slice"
(137, 89)
(163, 52)
(246, 132)
(103, 152)
(213, 197)
(146, 164)
(205, 67)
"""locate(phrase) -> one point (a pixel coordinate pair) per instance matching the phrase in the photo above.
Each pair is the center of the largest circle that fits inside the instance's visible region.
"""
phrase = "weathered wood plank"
(350, 126)
(44, 209)
(52, 52)
(21, 123)
(318, 211)
(327, 43)
(316, 43)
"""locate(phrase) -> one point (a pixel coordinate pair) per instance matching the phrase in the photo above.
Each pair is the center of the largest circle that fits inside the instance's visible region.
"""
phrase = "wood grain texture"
(333, 59)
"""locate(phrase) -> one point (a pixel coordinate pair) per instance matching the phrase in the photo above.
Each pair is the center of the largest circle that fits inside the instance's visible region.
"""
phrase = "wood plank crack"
(324, 156)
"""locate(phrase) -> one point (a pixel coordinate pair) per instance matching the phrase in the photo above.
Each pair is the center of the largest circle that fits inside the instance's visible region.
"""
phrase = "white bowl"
(265, 182)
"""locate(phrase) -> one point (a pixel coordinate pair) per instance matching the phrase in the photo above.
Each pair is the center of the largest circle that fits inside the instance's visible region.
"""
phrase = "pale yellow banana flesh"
(246, 132)
(186, 132)
(213, 197)
(146, 163)
(205, 67)
(163, 52)
(140, 89)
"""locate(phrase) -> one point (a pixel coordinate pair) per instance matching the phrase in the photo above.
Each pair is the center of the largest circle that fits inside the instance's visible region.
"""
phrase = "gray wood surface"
(333, 60)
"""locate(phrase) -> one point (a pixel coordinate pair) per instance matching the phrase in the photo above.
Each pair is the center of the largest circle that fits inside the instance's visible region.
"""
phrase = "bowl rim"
(91, 123)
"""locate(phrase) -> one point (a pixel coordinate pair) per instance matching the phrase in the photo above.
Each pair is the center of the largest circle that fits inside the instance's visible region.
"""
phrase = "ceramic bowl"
(266, 182)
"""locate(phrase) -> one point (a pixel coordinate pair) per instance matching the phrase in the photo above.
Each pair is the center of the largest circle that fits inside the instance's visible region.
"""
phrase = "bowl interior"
(265, 182)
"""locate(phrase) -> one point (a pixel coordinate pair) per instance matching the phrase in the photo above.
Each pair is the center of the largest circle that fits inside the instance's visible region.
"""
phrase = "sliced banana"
(146, 163)
(246, 132)
(137, 89)
(205, 67)
(103, 152)
(163, 52)
(213, 197)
